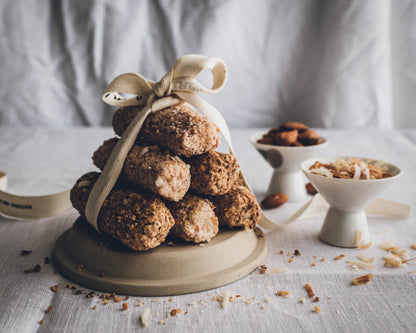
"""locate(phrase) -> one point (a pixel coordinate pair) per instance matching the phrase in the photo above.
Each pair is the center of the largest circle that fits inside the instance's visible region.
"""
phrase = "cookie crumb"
(125, 306)
(362, 279)
(341, 256)
(314, 264)
(49, 309)
(175, 312)
(80, 268)
(317, 309)
(25, 252)
(46, 260)
(263, 269)
(284, 293)
(296, 253)
(309, 290)
(41, 322)
(55, 288)
(35, 269)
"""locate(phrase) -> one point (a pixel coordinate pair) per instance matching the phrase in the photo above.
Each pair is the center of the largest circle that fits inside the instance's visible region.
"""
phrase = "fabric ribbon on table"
(23, 206)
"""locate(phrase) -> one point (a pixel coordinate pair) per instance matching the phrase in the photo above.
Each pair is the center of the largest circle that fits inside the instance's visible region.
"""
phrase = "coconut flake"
(357, 172)
(361, 265)
(322, 172)
(386, 244)
(145, 317)
(358, 241)
(365, 259)
(225, 298)
(392, 261)
(278, 270)
(383, 231)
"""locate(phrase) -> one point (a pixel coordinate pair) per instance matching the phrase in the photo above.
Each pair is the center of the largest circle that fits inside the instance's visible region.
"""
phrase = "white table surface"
(41, 161)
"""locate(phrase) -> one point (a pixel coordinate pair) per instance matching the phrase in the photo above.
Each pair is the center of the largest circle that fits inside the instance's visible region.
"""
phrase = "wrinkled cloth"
(41, 161)
(338, 64)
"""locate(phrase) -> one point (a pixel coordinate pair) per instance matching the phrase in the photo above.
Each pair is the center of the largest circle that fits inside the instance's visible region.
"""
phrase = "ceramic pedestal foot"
(340, 228)
(290, 183)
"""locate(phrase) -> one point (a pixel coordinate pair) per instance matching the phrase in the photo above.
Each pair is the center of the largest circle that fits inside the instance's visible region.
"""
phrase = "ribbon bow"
(179, 85)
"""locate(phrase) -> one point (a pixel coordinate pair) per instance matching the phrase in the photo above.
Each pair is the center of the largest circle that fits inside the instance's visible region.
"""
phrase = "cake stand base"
(340, 228)
(92, 260)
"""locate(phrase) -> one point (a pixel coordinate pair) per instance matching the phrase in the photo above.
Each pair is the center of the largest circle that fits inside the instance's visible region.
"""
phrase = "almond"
(293, 125)
(286, 138)
(309, 138)
(266, 140)
(297, 144)
(311, 189)
(274, 200)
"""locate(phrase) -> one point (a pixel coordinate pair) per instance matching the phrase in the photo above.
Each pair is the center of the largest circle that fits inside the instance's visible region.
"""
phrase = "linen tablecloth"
(41, 161)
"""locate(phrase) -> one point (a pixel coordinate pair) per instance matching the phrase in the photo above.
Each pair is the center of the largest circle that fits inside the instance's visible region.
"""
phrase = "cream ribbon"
(31, 206)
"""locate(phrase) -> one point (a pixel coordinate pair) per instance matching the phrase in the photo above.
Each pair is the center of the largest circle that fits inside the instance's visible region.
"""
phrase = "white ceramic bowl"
(287, 177)
(347, 199)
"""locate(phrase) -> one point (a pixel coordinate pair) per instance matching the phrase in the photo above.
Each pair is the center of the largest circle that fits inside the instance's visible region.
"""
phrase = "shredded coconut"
(361, 265)
(386, 244)
(278, 270)
(145, 317)
(351, 168)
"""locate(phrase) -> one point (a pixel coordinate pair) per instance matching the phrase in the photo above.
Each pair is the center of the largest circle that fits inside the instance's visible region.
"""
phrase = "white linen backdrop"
(326, 63)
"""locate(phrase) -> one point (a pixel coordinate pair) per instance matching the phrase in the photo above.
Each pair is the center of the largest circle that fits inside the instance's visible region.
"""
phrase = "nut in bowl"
(284, 148)
(349, 185)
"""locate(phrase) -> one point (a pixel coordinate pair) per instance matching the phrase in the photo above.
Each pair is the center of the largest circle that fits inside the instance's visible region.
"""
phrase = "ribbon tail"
(316, 207)
(115, 163)
(112, 170)
(388, 208)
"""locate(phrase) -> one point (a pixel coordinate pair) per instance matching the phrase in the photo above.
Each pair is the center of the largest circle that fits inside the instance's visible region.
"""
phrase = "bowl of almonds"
(284, 148)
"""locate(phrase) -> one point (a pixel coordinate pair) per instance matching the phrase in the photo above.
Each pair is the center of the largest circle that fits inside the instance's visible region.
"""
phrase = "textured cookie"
(213, 173)
(157, 171)
(237, 208)
(195, 219)
(180, 129)
(140, 221)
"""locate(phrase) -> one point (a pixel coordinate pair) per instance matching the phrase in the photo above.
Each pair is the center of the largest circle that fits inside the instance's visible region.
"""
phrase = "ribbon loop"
(181, 77)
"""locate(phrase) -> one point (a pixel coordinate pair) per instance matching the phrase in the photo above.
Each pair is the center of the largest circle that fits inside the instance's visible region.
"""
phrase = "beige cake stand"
(166, 270)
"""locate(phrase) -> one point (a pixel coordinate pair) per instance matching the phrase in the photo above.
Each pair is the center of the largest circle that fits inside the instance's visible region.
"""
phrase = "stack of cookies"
(173, 182)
